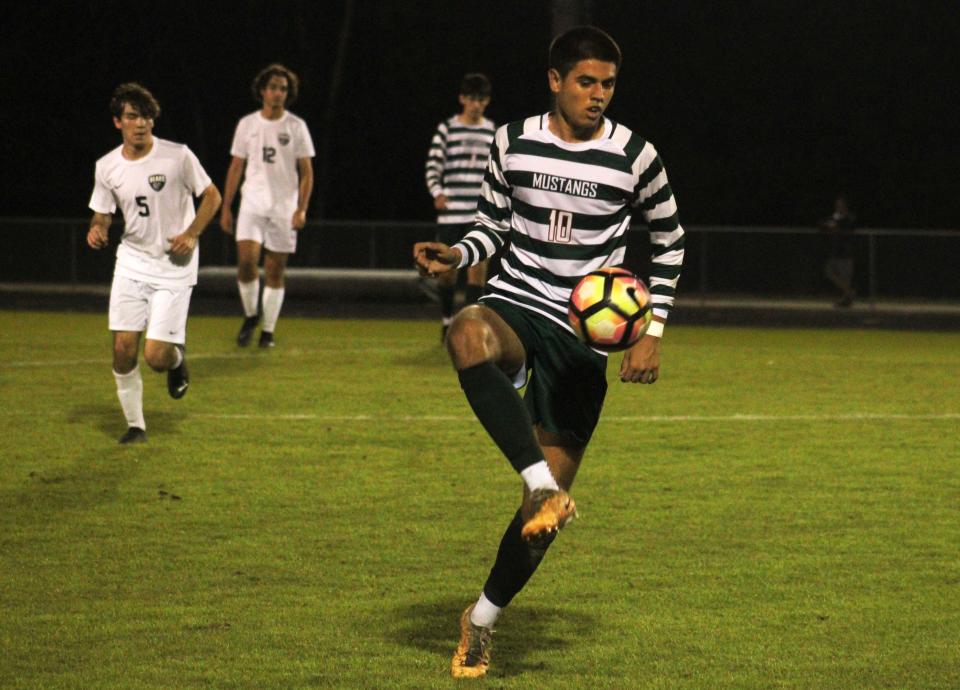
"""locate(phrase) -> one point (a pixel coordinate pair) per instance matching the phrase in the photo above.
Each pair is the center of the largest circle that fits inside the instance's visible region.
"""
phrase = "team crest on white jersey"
(157, 182)
(283, 138)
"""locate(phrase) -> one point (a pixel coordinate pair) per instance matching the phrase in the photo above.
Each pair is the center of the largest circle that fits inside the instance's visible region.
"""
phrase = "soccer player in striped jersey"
(561, 188)
(271, 152)
(455, 167)
(152, 182)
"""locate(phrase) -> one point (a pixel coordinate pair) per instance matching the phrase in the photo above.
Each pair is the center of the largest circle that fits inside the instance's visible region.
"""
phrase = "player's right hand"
(433, 258)
(440, 202)
(226, 220)
(97, 237)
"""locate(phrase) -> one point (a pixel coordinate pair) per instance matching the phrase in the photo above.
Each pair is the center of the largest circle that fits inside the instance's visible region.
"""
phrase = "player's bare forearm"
(230, 187)
(434, 258)
(641, 363)
(304, 190)
(98, 234)
(232, 183)
(185, 242)
(305, 167)
(209, 203)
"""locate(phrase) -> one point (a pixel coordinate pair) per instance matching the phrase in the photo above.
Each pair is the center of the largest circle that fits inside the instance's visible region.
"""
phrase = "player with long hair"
(271, 153)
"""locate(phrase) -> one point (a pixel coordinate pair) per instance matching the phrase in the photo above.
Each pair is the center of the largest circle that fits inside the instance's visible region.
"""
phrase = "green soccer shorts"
(451, 233)
(567, 381)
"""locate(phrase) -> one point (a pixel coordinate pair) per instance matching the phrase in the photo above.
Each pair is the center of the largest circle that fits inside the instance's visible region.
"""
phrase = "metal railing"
(747, 260)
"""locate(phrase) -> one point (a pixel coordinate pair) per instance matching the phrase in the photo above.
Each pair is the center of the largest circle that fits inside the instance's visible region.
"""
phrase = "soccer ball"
(610, 309)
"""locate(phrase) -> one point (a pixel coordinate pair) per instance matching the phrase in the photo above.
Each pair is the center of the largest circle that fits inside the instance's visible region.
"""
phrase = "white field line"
(852, 416)
(253, 354)
(354, 348)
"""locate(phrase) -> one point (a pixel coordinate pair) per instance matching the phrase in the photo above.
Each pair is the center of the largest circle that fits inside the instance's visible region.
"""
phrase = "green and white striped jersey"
(565, 209)
(455, 166)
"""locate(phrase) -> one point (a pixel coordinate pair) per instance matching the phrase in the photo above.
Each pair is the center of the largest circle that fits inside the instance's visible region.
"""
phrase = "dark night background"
(760, 110)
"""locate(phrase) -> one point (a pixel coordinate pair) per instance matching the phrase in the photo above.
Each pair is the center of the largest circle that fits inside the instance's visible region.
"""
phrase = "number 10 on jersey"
(561, 226)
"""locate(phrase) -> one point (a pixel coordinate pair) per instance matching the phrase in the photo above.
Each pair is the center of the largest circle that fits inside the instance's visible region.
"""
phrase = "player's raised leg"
(170, 358)
(486, 353)
(165, 348)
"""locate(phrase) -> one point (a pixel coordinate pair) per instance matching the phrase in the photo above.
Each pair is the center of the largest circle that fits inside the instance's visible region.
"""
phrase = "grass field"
(781, 510)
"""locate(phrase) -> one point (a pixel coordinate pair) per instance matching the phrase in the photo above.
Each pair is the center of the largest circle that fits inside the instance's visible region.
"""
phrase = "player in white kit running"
(271, 152)
(152, 182)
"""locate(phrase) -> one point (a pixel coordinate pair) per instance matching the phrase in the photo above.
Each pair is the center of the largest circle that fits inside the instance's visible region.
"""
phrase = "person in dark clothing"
(840, 263)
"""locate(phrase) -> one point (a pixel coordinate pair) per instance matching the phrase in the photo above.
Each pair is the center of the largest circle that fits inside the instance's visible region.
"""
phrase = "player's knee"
(246, 271)
(470, 338)
(124, 357)
(158, 356)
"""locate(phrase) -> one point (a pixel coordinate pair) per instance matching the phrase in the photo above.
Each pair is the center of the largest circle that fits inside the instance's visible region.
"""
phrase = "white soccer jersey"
(271, 149)
(155, 195)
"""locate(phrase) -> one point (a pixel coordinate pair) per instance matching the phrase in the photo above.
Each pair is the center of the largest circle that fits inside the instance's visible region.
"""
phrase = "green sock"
(500, 409)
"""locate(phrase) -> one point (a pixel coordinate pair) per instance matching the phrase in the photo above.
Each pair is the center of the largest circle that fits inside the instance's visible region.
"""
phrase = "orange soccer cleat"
(472, 657)
(545, 512)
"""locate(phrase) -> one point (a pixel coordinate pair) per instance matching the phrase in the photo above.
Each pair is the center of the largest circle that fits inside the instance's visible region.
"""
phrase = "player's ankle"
(539, 476)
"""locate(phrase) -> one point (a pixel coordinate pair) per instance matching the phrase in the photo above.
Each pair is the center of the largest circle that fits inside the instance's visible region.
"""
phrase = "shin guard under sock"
(500, 409)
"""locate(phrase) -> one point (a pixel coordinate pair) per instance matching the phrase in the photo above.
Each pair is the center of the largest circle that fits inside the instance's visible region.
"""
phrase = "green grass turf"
(781, 510)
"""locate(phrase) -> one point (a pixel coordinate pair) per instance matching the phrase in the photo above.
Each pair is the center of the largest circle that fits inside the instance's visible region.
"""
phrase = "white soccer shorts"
(161, 311)
(273, 233)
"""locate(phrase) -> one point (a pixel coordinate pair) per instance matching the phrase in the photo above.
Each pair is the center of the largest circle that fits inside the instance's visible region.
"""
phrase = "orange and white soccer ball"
(610, 309)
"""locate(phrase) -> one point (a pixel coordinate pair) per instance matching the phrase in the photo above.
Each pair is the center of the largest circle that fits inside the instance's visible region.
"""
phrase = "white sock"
(538, 476)
(249, 294)
(272, 301)
(130, 392)
(484, 612)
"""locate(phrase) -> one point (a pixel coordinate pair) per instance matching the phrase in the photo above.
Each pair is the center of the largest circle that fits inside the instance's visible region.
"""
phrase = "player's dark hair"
(582, 43)
(476, 85)
(139, 98)
(276, 70)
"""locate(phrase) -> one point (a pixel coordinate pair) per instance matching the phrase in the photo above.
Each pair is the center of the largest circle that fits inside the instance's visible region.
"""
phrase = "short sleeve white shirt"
(155, 195)
(271, 149)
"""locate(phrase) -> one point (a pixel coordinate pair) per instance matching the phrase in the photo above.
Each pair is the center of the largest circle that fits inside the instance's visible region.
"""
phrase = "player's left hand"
(641, 363)
(299, 219)
(183, 244)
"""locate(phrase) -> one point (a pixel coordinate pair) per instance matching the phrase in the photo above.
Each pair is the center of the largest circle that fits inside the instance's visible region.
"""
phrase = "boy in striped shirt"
(562, 188)
(454, 172)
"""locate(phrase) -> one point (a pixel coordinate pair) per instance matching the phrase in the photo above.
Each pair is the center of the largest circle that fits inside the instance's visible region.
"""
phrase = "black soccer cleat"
(134, 435)
(178, 380)
(246, 330)
(266, 339)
